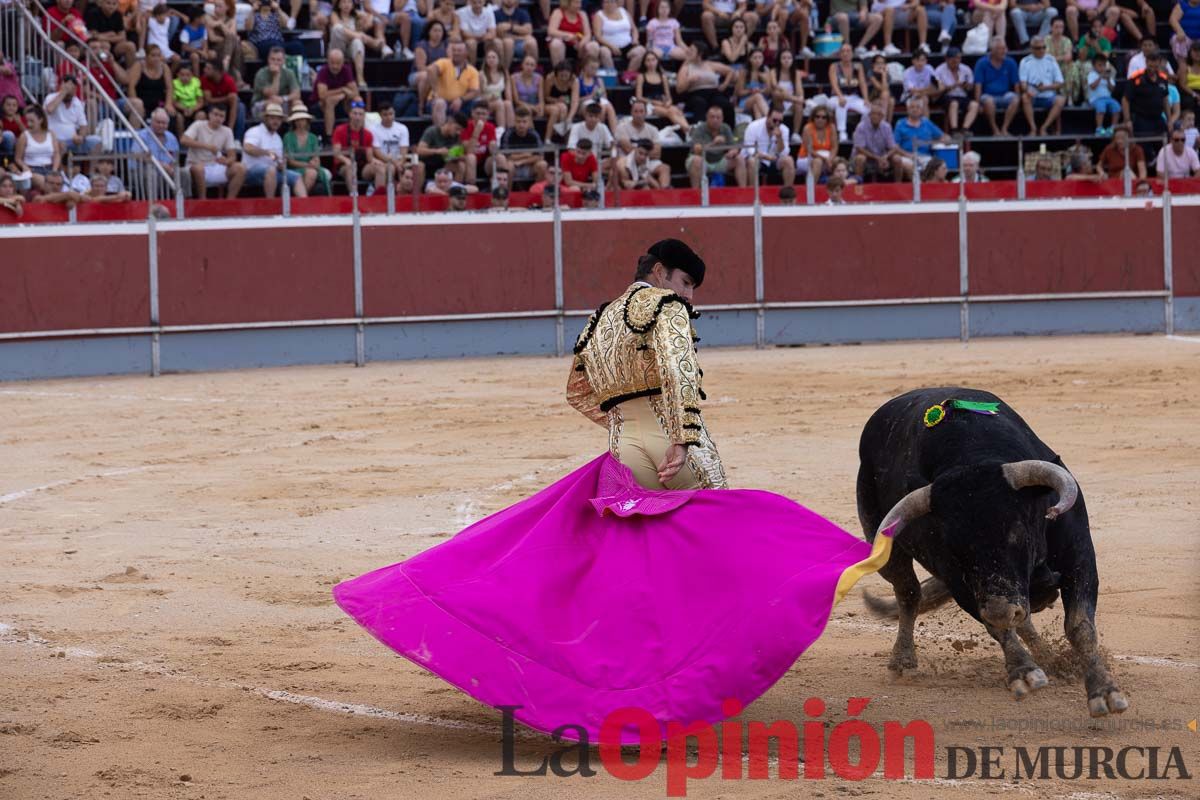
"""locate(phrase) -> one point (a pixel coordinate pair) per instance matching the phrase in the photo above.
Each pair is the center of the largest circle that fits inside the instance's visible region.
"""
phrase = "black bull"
(991, 512)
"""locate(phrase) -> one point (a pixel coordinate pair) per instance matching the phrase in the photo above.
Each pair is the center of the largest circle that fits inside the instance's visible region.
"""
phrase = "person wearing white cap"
(263, 159)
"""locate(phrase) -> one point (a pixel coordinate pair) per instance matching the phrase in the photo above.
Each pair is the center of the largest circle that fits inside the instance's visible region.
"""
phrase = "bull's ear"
(1023, 474)
(912, 506)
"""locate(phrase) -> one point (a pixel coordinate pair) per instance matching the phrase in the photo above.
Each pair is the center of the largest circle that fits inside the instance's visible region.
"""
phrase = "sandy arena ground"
(169, 544)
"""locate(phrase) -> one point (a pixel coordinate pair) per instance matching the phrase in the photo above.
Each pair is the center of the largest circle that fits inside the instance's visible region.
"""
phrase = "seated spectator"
(193, 40)
(787, 195)
(37, 150)
(560, 98)
(220, 89)
(67, 119)
(1044, 169)
(499, 199)
(514, 33)
(834, 188)
(441, 147)
(188, 95)
(355, 154)
(818, 145)
(569, 33)
(106, 23)
(164, 149)
(431, 47)
(773, 43)
(478, 25)
(935, 171)
(841, 171)
(264, 30)
(391, 141)
(69, 20)
(155, 29)
(991, 14)
(753, 87)
(879, 86)
(264, 158)
(902, 14)
(212, 156)
(443, 181)
(494, 90)
(1177, 160)
(1041, 86)
(1097, 16)
(9, 198)
(98, 192)
(639, 170)
(221, 27)
(875, 152)
(721, 14)
(714, 151)
(846, 84)
(1082, 168)
(955, 83)
(1144, 102)
(735, 48)
(1028, 13)
(481, 142)
(943, 15)
(593, 130)
(796, 16)
(702, 83)
(105, 168)
(664, 35)
(302, 148)
(915, 133)
(1188, 122)
(12, 125)
(1113, 156)
(527, 164)
(275, 83)
(1101, 80)
(454, 84)
(54, 191)
(591, 198)
(765, 144)
(847, 14)
(443, 11)
(918, 79)
(652, 87)
(593, 91)
(636, 128)
(346, 34)
(617, 36)
(997, 84)
(971, 173)
(1062, 50)
(1189, 78)
(580, 170)
(788, 89)
(458, 198)
(1130, 11)
(108, 74)
(334, 86)
(407, 182)
(1147, 49)
(150, 85)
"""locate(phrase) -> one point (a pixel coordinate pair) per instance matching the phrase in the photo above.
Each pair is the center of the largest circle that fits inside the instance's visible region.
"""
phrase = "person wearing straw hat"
(263, 159)
(302, 148)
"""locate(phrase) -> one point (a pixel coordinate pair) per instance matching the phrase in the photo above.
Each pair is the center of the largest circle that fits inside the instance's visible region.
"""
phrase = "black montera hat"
(677, 255)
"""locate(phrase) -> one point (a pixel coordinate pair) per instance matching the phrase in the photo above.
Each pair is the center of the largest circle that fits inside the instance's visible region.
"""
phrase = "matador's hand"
(672, 462)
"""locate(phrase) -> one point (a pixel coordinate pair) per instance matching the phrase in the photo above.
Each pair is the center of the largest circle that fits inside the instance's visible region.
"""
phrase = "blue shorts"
(257, 174)
(1044, 99)
(1003, 101)
(1102, 105)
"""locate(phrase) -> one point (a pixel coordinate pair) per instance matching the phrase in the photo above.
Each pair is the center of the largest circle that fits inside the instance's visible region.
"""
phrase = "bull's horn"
(912, 506)
(1021, 474)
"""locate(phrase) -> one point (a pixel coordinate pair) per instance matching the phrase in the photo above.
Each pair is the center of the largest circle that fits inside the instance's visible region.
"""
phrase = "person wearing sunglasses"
(818, 144)
(1041, 85)
(1178, 160)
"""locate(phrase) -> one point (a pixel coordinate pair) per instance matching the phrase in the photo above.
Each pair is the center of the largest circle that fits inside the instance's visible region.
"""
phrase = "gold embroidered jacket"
(640, 344)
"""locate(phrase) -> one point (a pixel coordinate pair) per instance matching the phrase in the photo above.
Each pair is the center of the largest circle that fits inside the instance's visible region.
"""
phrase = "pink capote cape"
(596, 594)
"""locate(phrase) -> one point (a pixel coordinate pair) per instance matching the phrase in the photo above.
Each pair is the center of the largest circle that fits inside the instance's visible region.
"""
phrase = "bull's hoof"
(1033, 680)
(902, 661)
(1111, 701)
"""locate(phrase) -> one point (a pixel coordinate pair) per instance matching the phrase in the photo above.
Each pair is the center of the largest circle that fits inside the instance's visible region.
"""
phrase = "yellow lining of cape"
(881, 551)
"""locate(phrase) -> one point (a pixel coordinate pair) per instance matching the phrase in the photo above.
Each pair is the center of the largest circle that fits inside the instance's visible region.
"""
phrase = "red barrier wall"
(74, 282)
(224, 276)
(458, 268)
(600, 256)
(862, 257)
(1185, 225)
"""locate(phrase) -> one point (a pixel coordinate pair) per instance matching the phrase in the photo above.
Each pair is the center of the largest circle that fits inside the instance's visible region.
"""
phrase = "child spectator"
(188, 95)
(1101, 79)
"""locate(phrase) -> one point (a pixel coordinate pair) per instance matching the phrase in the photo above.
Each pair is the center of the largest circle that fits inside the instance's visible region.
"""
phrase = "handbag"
(976, 43)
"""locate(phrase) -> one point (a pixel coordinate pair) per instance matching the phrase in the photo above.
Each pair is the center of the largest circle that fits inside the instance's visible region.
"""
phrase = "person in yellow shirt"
(454, 82)
(187, 97)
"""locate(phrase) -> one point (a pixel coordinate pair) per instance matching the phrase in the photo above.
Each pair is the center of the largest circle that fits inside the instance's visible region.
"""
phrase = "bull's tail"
(933, 594)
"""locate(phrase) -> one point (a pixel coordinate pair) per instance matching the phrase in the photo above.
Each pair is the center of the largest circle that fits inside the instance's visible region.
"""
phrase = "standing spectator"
(818, 145)
(428, 50)
(618, 37)
(481, 142)
(903, 14)
(478, 25)
(454, 84)
(787, 80)
(875, 150)
(264, 158)
(514, 33)
(163, 148)
(702, 83)
(354, 151)
(991, 14)
(150, 85)
(302, 148)
(264, 30)
(106, 22)
(220, 89)
(754, 87)
(916, 134)
(526, 164)
(846, 84)
(68, 119)
(1028, 13)
(955, 84)
(188, 95)
(334, 86)
(569, 33)
(919, 79)
(560, 98)
(525, 88)
(441, 147)
(1113, 157)
(592, 129)
(971, 173)
(1101, 81)
(639, 171)
(37, 150)
(494, 89)
(664, 35)
(1041, 82)
(211, 156)
(579, 166)
(997, 83)
(714, 151)
(652, 87)
(1144, 102)
(275, 83)
(765, 143)
(1178, 160)
(722, 13)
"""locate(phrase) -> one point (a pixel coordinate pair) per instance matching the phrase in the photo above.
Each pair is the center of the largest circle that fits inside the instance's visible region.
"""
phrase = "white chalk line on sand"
(94, 396)
(17, 495)
(1176, 338)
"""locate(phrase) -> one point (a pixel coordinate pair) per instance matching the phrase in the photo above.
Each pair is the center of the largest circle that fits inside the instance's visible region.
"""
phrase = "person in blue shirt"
(1041, 84)
(163, 148)
(916, 134)
(998, 85)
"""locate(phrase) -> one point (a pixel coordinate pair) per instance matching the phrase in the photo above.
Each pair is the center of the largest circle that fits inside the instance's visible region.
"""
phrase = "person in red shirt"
(579, 166)
(479, 138)
(554, 183)
(220, 89)
(353, 145)
(68, 20)
(106, 69)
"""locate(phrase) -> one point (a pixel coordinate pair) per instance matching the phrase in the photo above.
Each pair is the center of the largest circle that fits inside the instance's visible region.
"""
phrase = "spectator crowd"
(578, 97)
